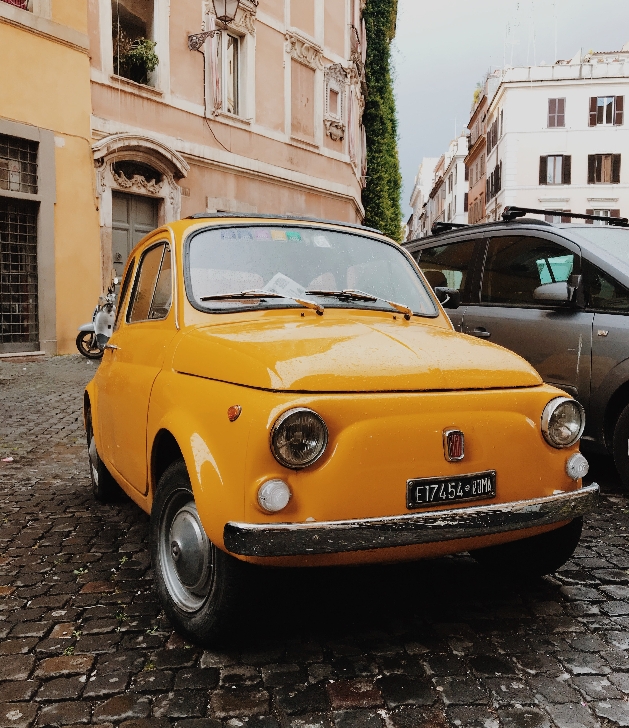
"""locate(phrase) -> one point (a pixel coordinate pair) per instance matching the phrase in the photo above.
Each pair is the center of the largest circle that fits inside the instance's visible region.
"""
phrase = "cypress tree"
(381, 195)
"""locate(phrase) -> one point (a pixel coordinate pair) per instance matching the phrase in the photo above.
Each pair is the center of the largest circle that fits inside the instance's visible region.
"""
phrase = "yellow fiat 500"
(291, 392)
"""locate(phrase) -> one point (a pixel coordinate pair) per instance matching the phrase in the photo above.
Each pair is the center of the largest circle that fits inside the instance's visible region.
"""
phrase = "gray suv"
(555, 293)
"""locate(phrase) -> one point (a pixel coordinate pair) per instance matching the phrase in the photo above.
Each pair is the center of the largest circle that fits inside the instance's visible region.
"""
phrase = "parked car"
(558, 295)
(290, 392)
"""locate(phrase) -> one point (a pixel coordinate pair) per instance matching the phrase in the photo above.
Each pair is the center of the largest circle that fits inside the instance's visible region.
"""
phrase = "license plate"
(432, 491)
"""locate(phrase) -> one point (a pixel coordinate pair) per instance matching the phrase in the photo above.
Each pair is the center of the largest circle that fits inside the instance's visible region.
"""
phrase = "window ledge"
(139, 88)
(39, 25)
(234, 118)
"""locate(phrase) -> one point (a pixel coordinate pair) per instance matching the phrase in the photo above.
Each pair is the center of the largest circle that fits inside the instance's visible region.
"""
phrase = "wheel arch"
(165, 450)
(615, 405)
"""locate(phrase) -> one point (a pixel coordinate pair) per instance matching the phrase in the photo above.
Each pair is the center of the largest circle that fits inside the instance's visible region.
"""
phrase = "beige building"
(264, 116)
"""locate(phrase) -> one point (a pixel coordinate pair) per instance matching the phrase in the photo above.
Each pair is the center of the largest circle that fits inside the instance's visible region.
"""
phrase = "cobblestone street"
(433, 644)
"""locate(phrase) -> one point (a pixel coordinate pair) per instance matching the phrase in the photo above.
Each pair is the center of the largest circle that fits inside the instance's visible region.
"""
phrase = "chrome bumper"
(331, 537)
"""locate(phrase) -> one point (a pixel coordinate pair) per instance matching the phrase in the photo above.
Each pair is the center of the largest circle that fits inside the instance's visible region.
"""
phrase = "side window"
(151, 297)
(447, 265)
(123, 293)
(602, 292)
(516, 265)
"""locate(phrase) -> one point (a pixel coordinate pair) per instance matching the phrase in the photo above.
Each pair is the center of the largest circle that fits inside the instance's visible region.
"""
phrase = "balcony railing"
(23, 4)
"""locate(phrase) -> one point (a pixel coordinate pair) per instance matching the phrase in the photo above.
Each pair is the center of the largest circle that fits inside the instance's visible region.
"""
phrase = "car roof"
(268, 216)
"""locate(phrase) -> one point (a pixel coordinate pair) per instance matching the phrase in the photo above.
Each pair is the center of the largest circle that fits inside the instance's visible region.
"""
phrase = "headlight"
(298, 438)
(563, 421)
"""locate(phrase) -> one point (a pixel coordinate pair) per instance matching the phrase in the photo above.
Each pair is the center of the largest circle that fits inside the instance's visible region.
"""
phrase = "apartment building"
(50, 266)
(556, 137)
(424, 182)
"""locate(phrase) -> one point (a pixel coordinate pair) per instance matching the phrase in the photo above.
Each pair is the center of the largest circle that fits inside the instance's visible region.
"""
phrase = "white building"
(440, 194)
(557, 135)
(424, 182)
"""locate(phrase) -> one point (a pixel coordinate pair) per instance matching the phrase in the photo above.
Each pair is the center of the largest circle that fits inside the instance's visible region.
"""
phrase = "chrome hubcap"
(186, 552)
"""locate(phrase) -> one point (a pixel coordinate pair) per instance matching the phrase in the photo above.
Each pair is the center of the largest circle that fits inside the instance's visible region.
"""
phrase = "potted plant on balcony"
(135, 59)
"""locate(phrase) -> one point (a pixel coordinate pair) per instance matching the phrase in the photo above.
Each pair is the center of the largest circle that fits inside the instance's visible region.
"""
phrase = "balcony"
(23, 4)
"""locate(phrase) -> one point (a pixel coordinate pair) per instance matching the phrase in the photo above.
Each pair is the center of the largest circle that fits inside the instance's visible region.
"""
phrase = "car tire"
(86, 344)
(104, 487)
(200, 587)
(620, 446)
(534, 556)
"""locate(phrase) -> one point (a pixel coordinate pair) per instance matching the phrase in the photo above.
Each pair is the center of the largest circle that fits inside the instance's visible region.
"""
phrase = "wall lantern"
(225, 11)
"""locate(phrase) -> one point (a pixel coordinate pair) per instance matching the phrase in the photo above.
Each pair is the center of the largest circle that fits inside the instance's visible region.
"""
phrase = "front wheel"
(620, 446)
(86, 344)
(199, 585)
(534, 556)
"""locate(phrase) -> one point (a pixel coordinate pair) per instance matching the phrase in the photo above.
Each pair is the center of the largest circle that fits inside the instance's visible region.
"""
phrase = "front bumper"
(331, 537)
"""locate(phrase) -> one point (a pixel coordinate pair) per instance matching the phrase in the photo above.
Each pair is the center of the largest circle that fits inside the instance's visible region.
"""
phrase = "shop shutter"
(615, 169)
(620, 108)
(591, 169)
(543, 170)
(593, 105)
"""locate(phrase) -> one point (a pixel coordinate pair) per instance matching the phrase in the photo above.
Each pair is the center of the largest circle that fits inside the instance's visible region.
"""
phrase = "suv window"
(152, 295)
(447, 265)
(516, 265)
(602, 292)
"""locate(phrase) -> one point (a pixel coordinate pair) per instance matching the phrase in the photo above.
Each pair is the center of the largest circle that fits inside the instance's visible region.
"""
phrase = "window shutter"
(561, 112)
(465, 202)
(589, 212)
(593, 105)
(552, 113)
(591, 169)
(543, 170)
(567, 169)
(620, 108)
(566, 218)
(615, 169)
(614, 213)
(467, 173)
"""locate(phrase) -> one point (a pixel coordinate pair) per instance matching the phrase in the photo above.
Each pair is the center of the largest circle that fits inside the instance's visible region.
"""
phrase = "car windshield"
(612, 240)
(311, 264)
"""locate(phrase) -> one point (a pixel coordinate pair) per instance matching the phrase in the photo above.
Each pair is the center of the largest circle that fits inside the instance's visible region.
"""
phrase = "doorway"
(133, 217)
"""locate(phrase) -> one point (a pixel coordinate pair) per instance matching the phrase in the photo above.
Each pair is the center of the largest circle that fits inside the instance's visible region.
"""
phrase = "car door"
(451, 264)
(556, 338)
(609, 301)
(133, 360)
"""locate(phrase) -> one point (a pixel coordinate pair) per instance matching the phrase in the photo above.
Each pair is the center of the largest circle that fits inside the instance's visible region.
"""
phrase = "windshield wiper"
(260, 293)
(362, 296)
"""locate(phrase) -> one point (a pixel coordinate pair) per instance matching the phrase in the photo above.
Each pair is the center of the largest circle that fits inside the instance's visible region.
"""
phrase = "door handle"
(113, 347)
(481, 333)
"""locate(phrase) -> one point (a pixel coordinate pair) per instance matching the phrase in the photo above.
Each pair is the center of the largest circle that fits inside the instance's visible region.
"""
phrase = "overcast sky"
(444, 48)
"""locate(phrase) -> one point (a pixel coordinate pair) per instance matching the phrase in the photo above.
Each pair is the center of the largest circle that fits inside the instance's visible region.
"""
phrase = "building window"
(555, 169)
(493, 184)
(603, 169)
(465, 201)
(225, 70)
(133, 42)
(18, 165)
(232, 74)
(558, 218)
(502, 127)
(601, 213)
(556, 113)
(607, 110)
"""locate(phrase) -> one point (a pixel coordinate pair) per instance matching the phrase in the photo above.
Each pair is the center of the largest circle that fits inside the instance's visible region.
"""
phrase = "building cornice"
(44, 28)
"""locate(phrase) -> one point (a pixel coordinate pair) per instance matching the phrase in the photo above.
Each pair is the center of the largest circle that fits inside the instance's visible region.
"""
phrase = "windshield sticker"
(229, 234)
(262, 234)
(320, 241)
(244, 235)
(285, 286)
(293, 235)
(278, 234)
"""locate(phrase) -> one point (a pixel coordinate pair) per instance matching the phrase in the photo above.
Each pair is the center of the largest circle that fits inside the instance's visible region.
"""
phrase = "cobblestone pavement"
(434, 644)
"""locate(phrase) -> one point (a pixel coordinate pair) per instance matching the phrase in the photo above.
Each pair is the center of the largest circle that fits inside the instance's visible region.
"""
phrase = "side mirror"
(448, 297)
(553, 292)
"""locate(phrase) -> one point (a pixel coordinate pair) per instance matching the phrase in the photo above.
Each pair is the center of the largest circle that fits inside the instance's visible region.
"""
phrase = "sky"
(444, 48)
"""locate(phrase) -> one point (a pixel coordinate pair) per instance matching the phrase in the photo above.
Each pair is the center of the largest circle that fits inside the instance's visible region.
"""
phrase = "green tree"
(381, 196)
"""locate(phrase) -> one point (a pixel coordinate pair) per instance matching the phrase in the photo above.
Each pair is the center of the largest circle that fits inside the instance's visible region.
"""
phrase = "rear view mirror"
(553, 293)
(448, 297)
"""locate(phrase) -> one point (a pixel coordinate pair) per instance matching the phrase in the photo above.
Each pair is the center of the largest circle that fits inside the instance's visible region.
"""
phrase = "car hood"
(349, 355)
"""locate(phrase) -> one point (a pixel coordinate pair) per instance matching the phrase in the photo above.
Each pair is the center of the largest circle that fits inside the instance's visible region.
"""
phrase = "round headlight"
(298, 438)
(563, 421)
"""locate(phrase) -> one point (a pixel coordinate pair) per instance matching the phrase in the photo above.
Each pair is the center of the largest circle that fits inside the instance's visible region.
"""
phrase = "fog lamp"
(563, 421)
(298, 438)
(577, 466)
(273, 495)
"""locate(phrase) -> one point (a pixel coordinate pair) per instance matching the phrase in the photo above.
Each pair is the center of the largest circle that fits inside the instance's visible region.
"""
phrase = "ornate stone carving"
(304, 51)
(334, 129)
(137, 183)
(244, 20)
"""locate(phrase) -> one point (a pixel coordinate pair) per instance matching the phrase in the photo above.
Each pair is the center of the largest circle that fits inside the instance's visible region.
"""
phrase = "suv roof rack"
(444, 227)
(268, 216)
(511, 213)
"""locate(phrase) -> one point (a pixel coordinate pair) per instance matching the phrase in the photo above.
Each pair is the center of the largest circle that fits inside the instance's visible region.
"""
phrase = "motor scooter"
(93, 336)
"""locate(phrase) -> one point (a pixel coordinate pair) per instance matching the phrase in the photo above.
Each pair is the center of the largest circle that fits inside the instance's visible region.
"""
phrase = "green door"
(133, 217)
